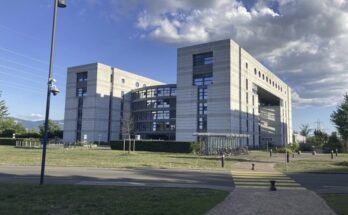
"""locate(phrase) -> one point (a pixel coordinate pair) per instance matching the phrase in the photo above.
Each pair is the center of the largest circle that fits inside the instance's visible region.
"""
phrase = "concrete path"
(219, 180)
(251, 201)
(252, 194)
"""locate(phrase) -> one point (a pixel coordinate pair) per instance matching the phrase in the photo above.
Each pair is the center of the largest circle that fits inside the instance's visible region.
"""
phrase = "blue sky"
(142, 37)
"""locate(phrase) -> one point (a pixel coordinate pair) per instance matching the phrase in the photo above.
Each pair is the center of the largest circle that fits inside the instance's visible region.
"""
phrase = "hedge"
(9, 141)
(155, 146)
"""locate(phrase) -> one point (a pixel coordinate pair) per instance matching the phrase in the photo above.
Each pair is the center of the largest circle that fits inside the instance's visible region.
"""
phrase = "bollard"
(336, 151)
(298, 152)
(287, 157)
(270, 152)
(252, 166)
(293, 155)
(222, 160)
(331, 154)
(273, 187)
(313, 152)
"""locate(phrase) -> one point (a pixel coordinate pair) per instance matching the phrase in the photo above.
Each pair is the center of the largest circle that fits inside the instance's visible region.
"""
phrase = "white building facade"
(220, 89)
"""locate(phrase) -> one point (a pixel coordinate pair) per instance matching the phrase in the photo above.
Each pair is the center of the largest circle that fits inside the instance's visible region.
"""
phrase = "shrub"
(305, 147)
(155, 146)
(9, 141)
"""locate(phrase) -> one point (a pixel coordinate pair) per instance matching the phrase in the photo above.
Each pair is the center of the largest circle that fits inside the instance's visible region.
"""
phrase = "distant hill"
(35, 124)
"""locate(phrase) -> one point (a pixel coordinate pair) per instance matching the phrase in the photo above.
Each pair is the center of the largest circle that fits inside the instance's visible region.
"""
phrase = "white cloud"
(33, 117)
(304, 42)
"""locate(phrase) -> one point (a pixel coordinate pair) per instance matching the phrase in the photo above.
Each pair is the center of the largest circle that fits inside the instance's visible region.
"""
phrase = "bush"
(155, 146)
(9, 141)
(306, 147)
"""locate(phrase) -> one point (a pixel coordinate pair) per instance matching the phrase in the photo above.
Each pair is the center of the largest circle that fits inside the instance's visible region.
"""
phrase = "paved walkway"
(252, 195)
(219, 180)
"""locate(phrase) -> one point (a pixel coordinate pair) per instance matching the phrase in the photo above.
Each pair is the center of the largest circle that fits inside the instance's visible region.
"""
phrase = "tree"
(333, 142)
(3, 109)
(9, 126)
(320, 138)
(305, 130)
(53, 129)
(340, 119)
(127, 128)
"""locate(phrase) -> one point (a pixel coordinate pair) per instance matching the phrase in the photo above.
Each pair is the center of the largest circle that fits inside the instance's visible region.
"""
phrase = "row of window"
(154, 104)
(155, 92)
(268, 80)
(154, 115)
(137, 84)
(154, 126)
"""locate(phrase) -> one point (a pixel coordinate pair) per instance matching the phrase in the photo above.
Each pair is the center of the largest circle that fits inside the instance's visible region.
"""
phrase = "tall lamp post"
(51, 88)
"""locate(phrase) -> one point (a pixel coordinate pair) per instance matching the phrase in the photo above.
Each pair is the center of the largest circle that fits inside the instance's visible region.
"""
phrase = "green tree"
(334, 142)
(3, 109)
(305, 130)
(9, 126)
(53, 129)
(340, 119)
(320, 138)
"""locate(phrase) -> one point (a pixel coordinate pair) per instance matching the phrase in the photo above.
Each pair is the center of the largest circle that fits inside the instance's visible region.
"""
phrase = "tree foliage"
(3, 109)
(340, 119)
(334, 142)
(305, 130)
(10, 126)
(321, 137)
(53, 129)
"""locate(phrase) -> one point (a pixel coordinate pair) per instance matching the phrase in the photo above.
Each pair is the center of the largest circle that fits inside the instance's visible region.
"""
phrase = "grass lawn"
(10, 155)
(72, 199)
(318, 163)
(338, 202)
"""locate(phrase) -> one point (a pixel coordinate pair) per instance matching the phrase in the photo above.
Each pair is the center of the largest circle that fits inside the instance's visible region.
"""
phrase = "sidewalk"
(252, 195)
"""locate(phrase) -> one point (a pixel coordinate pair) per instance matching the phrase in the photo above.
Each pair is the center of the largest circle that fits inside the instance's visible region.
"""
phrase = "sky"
(304, 42)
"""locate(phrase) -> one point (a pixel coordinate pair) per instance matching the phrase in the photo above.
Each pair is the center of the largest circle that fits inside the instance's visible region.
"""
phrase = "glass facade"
(202, 78)
(81, 91)
(154, 112)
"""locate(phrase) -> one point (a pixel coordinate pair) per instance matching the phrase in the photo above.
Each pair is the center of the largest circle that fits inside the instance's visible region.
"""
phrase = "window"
(259, 74)
(246, 84)
(263, 76)
(255, 72)
(203, 59)
(123, 81)
(173, 92)
(80, 92)
(137, 84)
(266, 78)
(82, 76)
(246, 65)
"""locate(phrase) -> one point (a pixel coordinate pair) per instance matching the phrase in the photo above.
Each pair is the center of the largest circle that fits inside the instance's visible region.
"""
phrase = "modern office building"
(221, 90)
(97, 97)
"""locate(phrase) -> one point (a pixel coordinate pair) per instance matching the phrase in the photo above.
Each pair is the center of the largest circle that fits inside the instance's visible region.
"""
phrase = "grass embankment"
(318, 163)
(70, 199)
(110, 159)
(337, 201)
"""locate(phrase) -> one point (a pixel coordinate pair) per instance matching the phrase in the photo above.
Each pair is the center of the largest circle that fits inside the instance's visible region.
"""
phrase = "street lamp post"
(51, 88)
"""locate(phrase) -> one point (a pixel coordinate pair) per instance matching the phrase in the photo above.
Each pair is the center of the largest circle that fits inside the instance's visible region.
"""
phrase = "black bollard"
(270, 152)
(287, 157)
(293, 155)
(336, 151)
(222, 160)
(273, 187)
(331, 154)
(252, 166)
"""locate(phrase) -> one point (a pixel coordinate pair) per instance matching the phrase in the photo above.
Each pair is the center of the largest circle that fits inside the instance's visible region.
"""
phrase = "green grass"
(338, 202)
(110, 159)
(319, 163)
(72, 199)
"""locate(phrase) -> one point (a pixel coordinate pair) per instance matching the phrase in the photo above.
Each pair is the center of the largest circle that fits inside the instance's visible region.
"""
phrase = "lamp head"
(61, 3)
